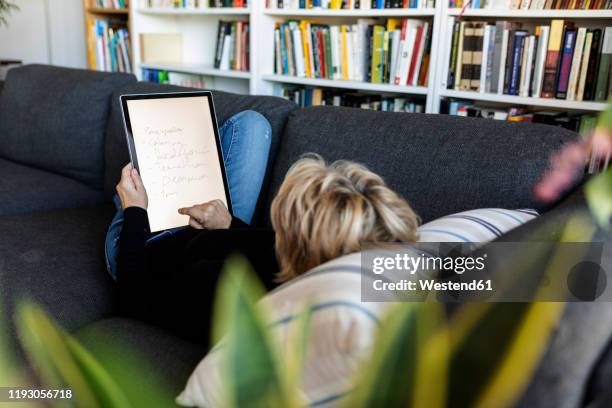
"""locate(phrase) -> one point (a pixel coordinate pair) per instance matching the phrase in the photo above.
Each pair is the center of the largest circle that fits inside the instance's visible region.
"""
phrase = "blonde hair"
(323, 211)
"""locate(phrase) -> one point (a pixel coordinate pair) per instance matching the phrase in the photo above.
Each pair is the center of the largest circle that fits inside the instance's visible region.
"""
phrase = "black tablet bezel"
(127, 124)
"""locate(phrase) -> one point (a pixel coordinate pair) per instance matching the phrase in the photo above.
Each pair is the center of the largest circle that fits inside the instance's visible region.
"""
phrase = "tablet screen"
(174, 144)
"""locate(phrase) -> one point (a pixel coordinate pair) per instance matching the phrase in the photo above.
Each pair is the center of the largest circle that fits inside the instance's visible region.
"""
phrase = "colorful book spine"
(565, 64)
(605, 60)
(552, 59)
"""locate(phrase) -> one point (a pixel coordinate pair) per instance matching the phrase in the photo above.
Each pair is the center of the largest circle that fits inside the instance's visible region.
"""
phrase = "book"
(409, 30)
(586, 54)
(459, 62)
(466, 57)
(552, 59)
(424, 69)
(498, 47)
(377, 55)
(565, 63)
(450, 80)
(486, 42)
(527, 67)
(603, 75)
(417, 54)
(477, 50)
(516, 62)
(538, 75)
(576, 61)
(490, 58)
(509, 61)
(589, 87)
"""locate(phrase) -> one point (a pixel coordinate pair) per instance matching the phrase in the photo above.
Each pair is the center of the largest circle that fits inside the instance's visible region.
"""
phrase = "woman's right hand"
(131, 190)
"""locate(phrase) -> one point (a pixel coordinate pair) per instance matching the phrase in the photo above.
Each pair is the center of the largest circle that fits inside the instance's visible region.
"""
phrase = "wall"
(45, 31)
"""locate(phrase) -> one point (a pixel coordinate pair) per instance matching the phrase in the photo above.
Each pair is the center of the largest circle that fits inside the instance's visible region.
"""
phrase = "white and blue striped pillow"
(482, 225)
(342, 330)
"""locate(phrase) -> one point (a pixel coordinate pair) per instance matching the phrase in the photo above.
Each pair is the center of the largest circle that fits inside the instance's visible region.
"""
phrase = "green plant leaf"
(408, 360)
(496, 347)
(599, 197)
(62, 362)
(250, 363)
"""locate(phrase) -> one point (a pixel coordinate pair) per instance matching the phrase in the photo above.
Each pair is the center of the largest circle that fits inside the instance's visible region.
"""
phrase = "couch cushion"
(274, 109)
(56, 258)
(162, 355)
(481, 225)
(25, 189)
(55, 119)
(442, 164)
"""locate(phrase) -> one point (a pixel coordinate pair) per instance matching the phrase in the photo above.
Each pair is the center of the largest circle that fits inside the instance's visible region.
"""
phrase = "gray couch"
(62, 147)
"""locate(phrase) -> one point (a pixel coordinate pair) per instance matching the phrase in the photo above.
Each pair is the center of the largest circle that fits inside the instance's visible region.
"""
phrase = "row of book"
(111, 4)
(349, 4)
(395, 52)
(555, 61)
(577, 122)
(306, 96)
(109, 45)
(533, 4)
(193, 4)
(173, 78)
(232, 50)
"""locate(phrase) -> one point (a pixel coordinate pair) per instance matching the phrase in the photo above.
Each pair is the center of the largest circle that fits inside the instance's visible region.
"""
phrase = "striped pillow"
(482, 225)
(342, 330)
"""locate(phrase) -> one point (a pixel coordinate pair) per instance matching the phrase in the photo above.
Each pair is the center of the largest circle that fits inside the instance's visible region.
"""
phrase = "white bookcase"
(199, 30)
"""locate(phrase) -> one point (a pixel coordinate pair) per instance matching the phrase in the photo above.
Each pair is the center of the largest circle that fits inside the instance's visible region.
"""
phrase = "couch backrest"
(55, 119)
(441, 164)
(274, 109)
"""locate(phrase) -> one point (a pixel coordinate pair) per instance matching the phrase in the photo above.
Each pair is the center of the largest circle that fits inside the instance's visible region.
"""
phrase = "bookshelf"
(529, 19)
(198, 26)
(93, 11)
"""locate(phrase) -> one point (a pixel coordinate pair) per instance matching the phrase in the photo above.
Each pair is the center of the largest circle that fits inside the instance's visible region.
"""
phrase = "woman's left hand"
(210, 215)
(131, 190)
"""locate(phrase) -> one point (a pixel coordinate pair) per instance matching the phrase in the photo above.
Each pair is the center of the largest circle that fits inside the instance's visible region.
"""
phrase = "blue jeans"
(245, 141)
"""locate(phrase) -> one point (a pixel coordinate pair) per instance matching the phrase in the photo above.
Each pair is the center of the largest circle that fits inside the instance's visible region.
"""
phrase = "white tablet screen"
(176, 149)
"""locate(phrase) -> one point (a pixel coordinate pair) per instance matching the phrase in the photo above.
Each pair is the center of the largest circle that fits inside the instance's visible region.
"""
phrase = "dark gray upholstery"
(55, 119)
(441, 164)
(164, 355)
(57, 259)
(25, 189)
(226, 105)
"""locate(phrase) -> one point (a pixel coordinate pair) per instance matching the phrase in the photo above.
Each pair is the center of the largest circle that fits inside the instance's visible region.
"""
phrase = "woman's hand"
(131, 190)
(210, 215)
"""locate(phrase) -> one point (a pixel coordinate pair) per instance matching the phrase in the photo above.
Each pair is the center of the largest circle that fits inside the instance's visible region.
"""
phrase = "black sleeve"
(172, 282)
(238, 223)
(132, 257)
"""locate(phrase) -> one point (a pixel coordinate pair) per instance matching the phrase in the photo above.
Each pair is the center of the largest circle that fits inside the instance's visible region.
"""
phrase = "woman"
(245, 142)
(321, 212)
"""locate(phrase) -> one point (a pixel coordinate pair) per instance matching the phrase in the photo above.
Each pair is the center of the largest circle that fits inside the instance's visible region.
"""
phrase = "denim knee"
(255, 123)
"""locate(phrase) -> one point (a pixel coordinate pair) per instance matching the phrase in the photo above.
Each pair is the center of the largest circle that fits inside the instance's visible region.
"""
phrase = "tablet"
(174, 143)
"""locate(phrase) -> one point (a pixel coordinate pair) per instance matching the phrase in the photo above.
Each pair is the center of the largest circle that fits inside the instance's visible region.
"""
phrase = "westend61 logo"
(492, 272)
(412, 264)
(399, 266)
